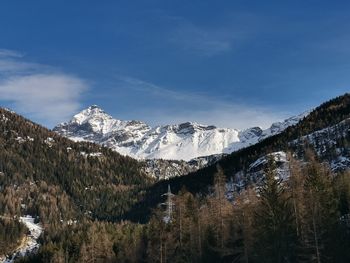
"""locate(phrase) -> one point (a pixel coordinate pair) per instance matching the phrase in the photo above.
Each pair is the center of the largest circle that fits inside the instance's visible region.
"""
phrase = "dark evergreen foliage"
(11, 232)
(104, 186)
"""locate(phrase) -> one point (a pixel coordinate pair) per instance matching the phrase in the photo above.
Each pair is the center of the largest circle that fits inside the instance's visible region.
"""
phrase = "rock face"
(164, 169)
(184, 141)
(329, 144)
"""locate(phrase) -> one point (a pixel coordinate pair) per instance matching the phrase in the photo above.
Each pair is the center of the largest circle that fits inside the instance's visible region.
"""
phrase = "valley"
(82, 186)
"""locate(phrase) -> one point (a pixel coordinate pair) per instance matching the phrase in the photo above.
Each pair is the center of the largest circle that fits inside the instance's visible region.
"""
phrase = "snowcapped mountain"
(183, 141)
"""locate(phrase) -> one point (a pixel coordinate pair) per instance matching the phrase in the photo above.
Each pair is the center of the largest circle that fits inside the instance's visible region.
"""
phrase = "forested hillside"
(326, 115)
(56, 180)
(302, 219)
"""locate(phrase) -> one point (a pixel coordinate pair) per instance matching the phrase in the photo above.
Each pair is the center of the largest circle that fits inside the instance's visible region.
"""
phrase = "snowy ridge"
(183, 141)
(325, 142)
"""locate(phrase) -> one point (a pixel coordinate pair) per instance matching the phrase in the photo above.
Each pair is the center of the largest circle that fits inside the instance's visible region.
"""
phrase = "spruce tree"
(322, 216)
(275, 236)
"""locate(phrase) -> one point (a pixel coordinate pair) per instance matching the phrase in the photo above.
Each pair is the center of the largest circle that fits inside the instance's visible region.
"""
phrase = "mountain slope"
(331, 120)
(183, 141)
(46, 175)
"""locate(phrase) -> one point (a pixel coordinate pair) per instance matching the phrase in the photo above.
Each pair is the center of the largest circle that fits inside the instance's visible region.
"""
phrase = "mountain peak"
(92, 112)
(93, 109)
(184, 141)
(94, 106)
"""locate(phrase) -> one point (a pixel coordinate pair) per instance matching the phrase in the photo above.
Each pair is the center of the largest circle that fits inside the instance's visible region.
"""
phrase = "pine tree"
(210, 252)
(322, 212)
(297, 191)
(275, 236)
(220, 203)
(244, 215)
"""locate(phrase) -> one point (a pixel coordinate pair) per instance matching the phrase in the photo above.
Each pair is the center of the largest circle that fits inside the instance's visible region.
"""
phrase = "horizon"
(177, 123)
(162, 62)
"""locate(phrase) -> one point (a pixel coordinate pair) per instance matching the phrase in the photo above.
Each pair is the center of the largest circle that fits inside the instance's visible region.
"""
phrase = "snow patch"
(49, 141)
(29, 243)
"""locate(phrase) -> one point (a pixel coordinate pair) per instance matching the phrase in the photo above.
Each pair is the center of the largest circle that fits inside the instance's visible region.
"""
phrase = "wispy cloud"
(38, 91)
(201, 41)
(181, 106)
(210, 41)
(10, 53)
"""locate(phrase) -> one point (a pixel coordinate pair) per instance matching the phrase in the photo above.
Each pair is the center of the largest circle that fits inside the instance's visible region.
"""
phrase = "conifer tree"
(322, 215)
(219, 204)
(244, 216)
(275, 240)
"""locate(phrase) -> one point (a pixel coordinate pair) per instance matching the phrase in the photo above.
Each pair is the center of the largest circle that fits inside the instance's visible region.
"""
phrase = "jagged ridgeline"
(42, 173)
(333, 114)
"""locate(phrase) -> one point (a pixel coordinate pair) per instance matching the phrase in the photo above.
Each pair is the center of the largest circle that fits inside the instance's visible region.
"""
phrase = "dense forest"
(303, 219)
(57, 181)
(55, 178)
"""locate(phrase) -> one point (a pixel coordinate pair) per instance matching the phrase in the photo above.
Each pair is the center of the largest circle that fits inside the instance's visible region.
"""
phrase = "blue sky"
(229, 63)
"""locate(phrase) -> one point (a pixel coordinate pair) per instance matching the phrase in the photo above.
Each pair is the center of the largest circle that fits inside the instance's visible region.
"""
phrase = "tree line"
(304, 218)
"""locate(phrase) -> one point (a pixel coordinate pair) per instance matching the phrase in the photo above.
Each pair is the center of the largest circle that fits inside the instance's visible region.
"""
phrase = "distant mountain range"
(184, 141)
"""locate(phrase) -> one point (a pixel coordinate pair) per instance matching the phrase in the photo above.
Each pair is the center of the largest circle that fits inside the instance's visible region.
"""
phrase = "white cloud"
(10, 53)
(202, 108)
(51, 97)
(9, 66)
(39, 91)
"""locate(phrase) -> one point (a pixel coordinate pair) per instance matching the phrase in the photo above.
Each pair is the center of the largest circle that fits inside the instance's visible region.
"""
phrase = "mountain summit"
(183, 141)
